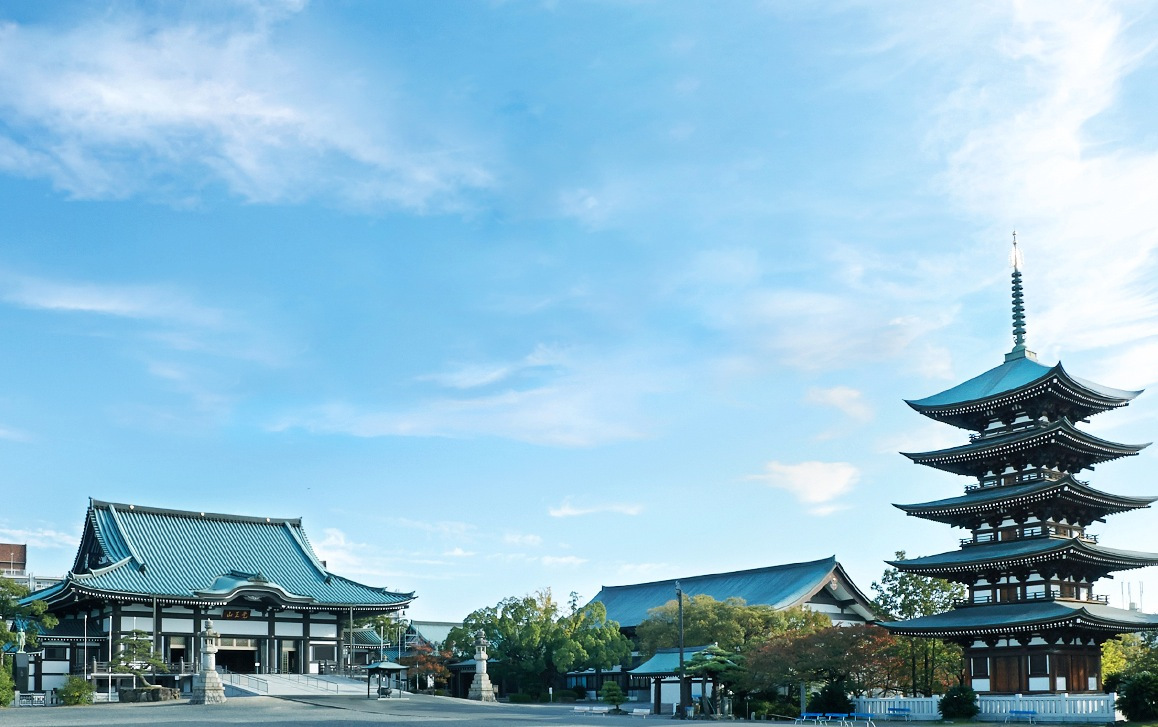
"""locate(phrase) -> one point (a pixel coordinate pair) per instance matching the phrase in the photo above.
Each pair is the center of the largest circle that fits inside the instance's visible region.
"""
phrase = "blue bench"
(1029, 714)
(866, 717)
(813, 717)
(841, 717)
(896, 712)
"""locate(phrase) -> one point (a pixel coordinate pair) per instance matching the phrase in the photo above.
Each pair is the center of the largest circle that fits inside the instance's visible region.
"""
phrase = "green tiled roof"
(140, 552)
(1009, 377)
(1025, 616)
(778, 586)
(984, 498)
(1040, 549)
(666, 661)
(1056, 438)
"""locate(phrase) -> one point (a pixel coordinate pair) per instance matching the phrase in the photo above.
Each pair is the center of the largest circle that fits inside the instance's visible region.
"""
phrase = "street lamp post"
(680, 608)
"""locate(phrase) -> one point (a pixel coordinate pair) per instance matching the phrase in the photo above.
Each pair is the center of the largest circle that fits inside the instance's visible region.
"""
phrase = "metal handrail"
(252, 682)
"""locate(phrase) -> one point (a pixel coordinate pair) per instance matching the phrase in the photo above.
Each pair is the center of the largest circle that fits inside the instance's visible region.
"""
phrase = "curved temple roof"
(972, 558)
(779, 586)
(1059, 442)
(141, 553)
(1025, 617)
(981, 501)
(967, 404)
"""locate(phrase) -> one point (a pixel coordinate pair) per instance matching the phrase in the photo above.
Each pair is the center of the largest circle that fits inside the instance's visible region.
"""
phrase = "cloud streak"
(815, 484)
(133, 104)
(569, 509)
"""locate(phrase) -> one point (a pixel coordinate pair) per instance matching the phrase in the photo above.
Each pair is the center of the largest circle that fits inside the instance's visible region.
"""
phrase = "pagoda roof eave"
(999, 619)
(1027, 551)
(963, 459)
(983, 500)
(1003, 384)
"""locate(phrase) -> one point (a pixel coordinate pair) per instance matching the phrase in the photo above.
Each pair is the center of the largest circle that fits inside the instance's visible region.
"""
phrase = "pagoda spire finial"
(1019, 349)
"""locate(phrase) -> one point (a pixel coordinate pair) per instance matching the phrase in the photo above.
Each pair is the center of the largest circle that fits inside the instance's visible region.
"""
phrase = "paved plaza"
(311, 710)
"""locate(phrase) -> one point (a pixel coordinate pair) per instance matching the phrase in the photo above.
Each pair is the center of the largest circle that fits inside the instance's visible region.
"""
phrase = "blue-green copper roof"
(666, 661)
(207, 557)
(778, 586)
(1017, 373)
(983, 498)
(1043, 548)
(1025, 616)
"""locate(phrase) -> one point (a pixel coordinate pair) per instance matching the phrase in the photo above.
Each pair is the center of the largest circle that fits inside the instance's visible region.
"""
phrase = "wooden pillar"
(194, 655)
(304, 654)
(657, 688)
(273, 653)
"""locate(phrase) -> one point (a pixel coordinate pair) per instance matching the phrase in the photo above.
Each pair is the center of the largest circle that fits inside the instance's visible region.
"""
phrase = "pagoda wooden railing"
(1051, 595)
(102, 668)
(1016, 478)
(1031, 531)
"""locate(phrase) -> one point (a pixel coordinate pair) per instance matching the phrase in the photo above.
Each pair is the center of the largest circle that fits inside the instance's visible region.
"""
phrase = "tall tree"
(532, 644)
(428, 664)
(934, 665)
(858, 657)
(134, 655)
(32, 618)
(732, 624)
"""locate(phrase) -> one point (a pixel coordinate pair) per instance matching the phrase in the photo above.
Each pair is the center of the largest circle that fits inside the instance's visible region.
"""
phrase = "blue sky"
(500, 296)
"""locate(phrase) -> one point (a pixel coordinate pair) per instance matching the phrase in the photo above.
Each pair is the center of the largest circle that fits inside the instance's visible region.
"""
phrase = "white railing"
(1050, 707)
(1091, 708)
(923, 709)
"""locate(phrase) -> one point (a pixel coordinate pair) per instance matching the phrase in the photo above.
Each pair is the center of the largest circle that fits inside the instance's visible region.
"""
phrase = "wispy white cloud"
(816, 484)
(843, 398)
(458, 553)
(569, 509)
(1036, 137)
(552, 561)
(146, 302)
(522, 539)
(572, 401)
(40, 537)
(14, 435)
(129, 104)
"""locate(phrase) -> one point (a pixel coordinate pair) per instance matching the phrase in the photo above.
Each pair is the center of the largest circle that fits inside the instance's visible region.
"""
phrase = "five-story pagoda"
(1031, 622)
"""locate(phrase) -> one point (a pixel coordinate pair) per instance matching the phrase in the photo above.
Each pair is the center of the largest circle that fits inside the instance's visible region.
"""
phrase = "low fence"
(1097, 708)
(1076, 708)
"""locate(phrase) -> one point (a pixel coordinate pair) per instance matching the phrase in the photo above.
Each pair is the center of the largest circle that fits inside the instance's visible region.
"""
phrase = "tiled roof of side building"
(1011, 376)
(665, 661)
(1025, 616)
(206, 557)
(778, 586)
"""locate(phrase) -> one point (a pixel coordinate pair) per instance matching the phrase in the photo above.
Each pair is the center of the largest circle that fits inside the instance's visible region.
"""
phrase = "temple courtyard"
(314, 710)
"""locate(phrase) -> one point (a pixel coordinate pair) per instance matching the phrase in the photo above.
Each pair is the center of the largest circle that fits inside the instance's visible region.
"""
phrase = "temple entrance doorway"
(238, 655)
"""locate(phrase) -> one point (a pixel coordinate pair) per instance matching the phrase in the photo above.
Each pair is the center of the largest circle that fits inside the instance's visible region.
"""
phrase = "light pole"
(680, 610)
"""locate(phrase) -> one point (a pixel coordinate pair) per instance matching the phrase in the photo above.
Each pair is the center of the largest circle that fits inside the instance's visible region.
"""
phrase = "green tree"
(732, 624)
(933, 664)
(33, 617)
(1126, 655)
(611, 693)
(532, 643)
(585, 639)
(860, 659)
(76, 691)
(428, 663)
(7, 688)
(134, 655)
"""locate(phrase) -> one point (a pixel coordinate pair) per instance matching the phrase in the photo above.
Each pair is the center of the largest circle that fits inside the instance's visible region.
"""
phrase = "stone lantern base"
(481, 689)
(207, 688)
